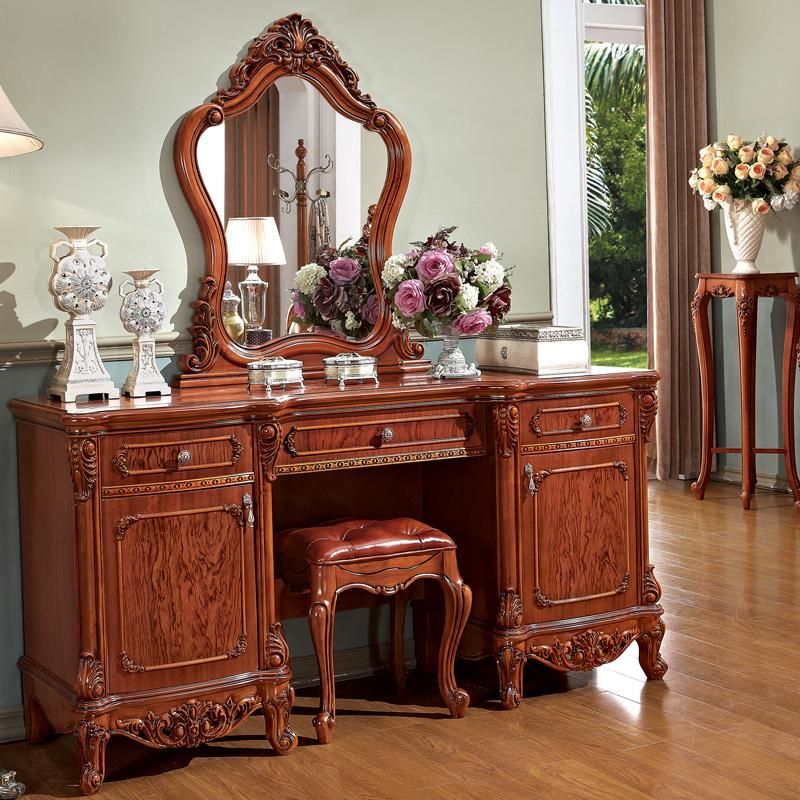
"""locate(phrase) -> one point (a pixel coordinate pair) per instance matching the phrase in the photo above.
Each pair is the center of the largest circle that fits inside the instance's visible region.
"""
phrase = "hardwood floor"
(723, 724)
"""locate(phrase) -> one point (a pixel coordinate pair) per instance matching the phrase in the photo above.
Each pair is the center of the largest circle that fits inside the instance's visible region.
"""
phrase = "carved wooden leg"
(92, 741)
(510, 663)
(37, 726)
(746, 308)
(790, 356)
(705, 358)
(457, 605)
(320, 620)
(398, 623)
(277, 711)
(649, 646)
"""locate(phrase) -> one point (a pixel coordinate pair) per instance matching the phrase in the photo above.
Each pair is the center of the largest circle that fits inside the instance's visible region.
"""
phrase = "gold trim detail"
(178, 486)
(579, 444)
(376, 461)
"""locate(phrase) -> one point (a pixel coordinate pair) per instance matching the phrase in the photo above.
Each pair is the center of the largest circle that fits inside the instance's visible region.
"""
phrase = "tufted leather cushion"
(359, 538)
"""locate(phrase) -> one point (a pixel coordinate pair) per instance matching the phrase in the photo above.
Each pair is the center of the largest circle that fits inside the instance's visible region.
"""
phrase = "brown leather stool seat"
(383, 557)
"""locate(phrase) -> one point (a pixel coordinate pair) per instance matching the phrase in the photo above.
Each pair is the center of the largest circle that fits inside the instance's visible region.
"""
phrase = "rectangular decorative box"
(540, 349)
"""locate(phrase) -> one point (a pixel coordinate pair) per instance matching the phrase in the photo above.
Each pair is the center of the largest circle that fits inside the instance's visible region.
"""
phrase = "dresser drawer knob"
(184, 458)
(586, 421)
(387, 434)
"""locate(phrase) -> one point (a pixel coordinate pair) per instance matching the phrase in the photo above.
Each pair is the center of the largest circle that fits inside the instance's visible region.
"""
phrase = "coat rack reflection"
(320, 236)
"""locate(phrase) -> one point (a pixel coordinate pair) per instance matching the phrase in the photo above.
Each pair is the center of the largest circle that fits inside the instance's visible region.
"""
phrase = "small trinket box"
(350, 367)
(274, 371)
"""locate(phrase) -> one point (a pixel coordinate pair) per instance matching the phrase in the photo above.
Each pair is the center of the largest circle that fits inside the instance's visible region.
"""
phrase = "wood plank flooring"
(724, 724)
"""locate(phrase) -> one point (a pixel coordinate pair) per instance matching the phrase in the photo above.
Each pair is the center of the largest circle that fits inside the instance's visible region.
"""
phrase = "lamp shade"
(16, 137)
(253, 240)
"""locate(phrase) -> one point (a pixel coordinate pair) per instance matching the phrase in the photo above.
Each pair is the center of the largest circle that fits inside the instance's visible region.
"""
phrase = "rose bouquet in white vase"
(746, 180)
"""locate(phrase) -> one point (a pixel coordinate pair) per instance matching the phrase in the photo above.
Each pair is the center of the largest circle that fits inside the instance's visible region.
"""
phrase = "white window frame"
(566, 25)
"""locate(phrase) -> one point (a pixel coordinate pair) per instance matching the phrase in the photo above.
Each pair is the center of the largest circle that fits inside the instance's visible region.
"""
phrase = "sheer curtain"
(678, 243)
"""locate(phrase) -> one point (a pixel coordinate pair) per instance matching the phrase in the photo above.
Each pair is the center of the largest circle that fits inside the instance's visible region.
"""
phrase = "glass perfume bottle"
(231, 320)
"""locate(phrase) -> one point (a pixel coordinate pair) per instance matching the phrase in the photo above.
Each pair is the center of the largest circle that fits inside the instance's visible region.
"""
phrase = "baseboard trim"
(357, 662)
(764, 480)
(12, 724)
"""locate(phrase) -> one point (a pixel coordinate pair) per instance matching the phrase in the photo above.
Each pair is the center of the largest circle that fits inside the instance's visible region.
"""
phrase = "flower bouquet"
(441, 287)
(336, 292)
(746, 180)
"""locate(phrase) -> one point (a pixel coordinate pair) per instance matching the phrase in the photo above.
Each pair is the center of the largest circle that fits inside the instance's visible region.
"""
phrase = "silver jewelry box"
(274, 371)
(350, 367)
(539, 349)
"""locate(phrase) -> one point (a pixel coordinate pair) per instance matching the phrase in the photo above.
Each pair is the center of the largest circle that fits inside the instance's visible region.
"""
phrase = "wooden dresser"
(151, 605)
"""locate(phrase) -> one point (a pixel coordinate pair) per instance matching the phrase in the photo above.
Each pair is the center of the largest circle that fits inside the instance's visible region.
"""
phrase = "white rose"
(746, 154)
(705, 173)
(785, 156)
(719, 166)
(490, 275)
(721, 194)
(709, 204)
(734, 141)
(772, 142)
(693, 179)
(308, 277)
(467, 299)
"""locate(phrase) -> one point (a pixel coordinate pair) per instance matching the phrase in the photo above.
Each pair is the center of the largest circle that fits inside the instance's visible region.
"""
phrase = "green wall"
(749, 93)
(105, 84)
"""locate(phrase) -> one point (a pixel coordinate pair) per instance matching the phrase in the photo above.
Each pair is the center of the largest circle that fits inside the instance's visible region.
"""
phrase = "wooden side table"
(747, 289)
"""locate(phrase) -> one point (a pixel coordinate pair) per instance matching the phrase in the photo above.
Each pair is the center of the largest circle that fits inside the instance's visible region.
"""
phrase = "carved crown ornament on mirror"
(290, 56)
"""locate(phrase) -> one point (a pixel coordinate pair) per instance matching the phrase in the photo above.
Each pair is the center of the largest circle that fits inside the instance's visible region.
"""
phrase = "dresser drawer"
(562, 419)
(176, 455)
(407, 434)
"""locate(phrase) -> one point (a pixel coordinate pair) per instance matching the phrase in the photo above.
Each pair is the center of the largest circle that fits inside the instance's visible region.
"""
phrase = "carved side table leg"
(650, 659)
(704, 354)
(457, 605)
(790, 359)
(398, 624)
(277, 711)
(510, 663)
(320, 620)
(746, 313)
(92, 741)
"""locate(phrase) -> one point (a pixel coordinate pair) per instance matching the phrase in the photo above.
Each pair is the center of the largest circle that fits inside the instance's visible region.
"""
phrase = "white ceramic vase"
(79, 285)
(745, 231)
(142, 314)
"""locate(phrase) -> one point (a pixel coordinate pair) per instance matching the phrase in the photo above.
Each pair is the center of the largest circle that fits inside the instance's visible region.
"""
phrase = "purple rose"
(369, 311)
(298, 310)
(441, 293)
(473, 323)
(433, 263)
(329, 298)
(344, 270)
(498, 302)
(410, 297)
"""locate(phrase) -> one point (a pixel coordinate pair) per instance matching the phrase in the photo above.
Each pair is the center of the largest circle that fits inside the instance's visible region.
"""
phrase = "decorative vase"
(231, 321)
(142, 313)
(451, 362)
(80, 284)
(745, 231)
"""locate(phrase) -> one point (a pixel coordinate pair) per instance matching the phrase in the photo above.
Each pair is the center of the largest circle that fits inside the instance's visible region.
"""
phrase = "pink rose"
(473, 323)
(433, 263)
(344, 270)
(369, 311)
(410, 297)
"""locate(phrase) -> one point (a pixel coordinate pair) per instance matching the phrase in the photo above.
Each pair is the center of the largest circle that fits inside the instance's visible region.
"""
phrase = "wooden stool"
(383, 557)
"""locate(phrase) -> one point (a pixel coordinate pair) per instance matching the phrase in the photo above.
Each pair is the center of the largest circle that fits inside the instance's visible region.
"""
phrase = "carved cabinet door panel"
(579, 521)
(180, 587)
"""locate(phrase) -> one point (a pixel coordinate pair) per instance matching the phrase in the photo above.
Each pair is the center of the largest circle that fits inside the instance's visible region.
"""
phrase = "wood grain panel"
(585, 417)
(580, 548)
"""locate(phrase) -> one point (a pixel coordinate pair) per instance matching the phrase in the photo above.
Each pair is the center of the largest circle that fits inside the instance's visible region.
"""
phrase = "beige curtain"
(249, 183)
(678, 243)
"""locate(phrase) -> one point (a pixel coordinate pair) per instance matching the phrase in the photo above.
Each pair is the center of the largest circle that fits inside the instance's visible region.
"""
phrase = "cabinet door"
(180, 587)
(579, 523)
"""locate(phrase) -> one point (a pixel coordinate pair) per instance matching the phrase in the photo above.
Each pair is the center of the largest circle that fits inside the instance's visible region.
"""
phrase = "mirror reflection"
(293, 182)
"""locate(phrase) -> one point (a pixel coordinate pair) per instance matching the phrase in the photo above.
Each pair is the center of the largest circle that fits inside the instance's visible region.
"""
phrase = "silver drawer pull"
(184, 458)
(529, 475)
(586, 421)
(387, 434)
(247, 502)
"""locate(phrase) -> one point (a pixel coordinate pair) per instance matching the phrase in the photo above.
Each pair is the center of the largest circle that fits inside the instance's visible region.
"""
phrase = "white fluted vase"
(79, 285)
(745, 231)
(142, 313)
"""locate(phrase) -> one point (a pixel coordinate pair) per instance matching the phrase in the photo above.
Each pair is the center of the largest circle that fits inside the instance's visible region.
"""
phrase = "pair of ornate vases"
(80, 285)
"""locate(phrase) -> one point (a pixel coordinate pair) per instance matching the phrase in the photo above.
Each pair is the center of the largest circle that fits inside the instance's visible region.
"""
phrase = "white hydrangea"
(394, 270)
(351, 321)
(490, 274)
(490, 249)
(467, 299)
(308, 277)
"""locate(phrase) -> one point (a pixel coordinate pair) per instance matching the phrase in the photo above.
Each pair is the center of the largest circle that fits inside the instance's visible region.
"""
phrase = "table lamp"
(253, 241)
(16, 138)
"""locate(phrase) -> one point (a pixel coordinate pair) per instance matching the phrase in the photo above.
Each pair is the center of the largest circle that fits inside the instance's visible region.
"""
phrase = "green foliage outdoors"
(611, 357)
(616, 138)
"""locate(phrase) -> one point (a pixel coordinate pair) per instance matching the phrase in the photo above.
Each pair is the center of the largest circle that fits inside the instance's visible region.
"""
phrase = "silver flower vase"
(80, 284)
(451, 362)
(142, 313)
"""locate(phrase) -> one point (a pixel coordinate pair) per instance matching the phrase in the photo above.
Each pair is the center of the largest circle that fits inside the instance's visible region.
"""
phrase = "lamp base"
(81, 372)
(145, 378)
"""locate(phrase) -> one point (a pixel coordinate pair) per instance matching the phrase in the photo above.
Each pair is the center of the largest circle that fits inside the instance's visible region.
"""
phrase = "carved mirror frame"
(290, 46)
